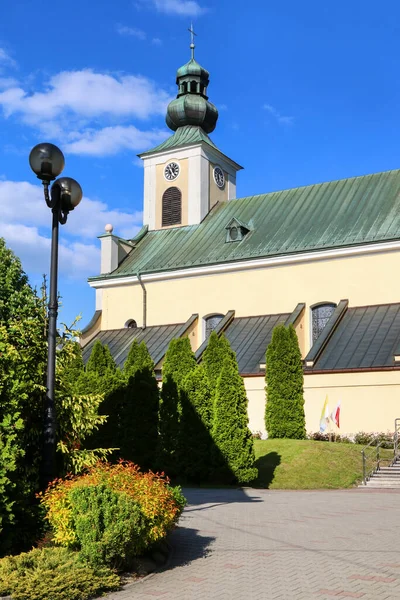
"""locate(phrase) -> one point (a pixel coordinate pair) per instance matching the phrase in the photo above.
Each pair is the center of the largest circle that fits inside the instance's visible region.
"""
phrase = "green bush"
(100, 360)
(139, 409)
(179, 362)
(284, 412)
(54, 574)
(71, 501)
(213, 358)
(22, 385)
(364, 438)
(110, 526)
(234, 453)
(196, 444)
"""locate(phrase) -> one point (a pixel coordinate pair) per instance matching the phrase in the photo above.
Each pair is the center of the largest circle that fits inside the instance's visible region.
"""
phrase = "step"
(384, 482)
(386, 474)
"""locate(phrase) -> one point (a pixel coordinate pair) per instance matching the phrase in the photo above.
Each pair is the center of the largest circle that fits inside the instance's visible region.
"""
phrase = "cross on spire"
(192, 34)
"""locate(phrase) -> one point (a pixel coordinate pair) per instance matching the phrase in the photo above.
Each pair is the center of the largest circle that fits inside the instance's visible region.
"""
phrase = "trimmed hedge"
(54, 574)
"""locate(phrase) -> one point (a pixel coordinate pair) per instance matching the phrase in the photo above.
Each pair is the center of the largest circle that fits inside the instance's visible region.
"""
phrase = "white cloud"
(111, 140)
(156, 41)
(88, 95)
(6, 60)
(185, 8)
(131, 31)
(76, 260)
(25, 225)
(278, 116)
(22, 205)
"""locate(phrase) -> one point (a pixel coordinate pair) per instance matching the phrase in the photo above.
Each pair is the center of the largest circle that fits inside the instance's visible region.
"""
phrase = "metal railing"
(371, 461)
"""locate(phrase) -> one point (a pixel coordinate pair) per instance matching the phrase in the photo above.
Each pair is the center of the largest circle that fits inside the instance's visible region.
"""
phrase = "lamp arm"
(50, 201)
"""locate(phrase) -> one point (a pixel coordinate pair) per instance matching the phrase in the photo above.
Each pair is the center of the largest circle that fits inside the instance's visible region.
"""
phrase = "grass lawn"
(307, 464)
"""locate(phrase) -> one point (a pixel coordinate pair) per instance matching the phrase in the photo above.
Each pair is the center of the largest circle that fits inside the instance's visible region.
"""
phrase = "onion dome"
(191, 106)
(192, 68)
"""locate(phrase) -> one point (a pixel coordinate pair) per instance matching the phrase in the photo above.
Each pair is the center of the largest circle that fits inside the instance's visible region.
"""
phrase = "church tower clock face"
(171, 171)
(219, 177)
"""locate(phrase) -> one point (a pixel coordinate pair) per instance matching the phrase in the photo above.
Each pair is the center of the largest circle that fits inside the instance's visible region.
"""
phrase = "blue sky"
(307, 92)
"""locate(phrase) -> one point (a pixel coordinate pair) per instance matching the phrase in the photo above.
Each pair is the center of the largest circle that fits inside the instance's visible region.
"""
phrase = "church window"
(320, 317)
(193, 87)
(131, 324)
(211, 323)
(171, 207)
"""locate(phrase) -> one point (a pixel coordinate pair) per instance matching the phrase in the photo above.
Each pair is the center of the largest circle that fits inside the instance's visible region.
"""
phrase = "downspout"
(144, 299)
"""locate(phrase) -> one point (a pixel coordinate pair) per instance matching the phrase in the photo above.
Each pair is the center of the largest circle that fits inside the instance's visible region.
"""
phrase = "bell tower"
(185, 176)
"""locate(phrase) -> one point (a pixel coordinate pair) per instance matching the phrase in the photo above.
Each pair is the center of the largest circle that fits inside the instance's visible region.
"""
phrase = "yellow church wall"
(369, 400)
(367, 279)
(217, 194)
(87, 336)
(181, 182)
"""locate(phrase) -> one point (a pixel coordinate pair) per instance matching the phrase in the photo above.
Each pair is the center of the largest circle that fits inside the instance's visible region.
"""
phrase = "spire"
(191, 106)
(192, 34)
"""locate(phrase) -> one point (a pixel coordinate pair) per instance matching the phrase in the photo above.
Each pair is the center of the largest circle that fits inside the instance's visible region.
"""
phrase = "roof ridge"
(311, 185)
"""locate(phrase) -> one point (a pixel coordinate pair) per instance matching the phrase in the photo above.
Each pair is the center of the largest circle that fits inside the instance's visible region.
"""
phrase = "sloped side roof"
(249, 338)
(183, 136)
(119, 341)
(366, 337)
(329, 215)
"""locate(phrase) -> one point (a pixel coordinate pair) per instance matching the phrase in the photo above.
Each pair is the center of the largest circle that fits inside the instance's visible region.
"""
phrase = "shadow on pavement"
(210, 497)
(188, 545)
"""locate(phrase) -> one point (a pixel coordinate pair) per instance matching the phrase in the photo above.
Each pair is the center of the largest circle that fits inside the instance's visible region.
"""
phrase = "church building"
(323, 257)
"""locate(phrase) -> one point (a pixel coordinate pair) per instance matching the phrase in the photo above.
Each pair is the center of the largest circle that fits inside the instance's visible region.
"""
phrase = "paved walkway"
(267, 545)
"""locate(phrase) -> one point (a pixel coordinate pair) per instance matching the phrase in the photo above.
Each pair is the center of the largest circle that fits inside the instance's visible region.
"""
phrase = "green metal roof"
(184, 136)
(119, 341)
(341, 213)
(192, 68)
(249, 338)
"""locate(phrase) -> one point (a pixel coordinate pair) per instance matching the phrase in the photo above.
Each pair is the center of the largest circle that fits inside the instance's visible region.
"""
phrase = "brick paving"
(281, 545)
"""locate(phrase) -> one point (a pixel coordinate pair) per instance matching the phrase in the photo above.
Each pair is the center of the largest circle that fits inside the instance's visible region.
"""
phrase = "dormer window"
(236, 230)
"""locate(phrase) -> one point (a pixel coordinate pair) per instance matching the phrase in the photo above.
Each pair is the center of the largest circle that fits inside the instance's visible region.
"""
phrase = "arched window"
(320, 317)
(171, 207)
(131, 324)
(193, 87)
(211, 323)
(184, 87)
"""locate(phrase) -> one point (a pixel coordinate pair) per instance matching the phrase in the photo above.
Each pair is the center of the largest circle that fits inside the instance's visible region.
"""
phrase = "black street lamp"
(47, 162)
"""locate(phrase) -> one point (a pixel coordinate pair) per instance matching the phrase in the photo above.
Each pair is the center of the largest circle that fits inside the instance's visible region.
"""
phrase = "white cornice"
(190, 150)
(258, 263)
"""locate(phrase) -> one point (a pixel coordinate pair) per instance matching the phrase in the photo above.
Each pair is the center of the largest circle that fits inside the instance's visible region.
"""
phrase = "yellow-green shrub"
(53, 574)
(159, 503)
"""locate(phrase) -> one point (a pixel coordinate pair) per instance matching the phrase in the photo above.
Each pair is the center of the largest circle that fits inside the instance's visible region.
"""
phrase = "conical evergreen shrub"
(102, 377)
(213, 358)
(179, 362)
(195, 427)
(234, 454)
(100, 360)
(284, 412)
(139, 414)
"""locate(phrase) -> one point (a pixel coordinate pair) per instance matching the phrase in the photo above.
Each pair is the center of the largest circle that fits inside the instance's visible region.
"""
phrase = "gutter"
(144, 300)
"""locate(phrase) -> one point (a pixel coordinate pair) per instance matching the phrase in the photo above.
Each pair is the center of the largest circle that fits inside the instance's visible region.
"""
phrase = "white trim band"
(250, 264)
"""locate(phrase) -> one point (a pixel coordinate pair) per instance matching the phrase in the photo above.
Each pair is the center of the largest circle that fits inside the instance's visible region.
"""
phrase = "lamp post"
(47, 162)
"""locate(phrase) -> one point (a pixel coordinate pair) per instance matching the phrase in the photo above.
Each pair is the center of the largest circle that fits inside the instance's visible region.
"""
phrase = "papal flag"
(335, 416)
(323, 423)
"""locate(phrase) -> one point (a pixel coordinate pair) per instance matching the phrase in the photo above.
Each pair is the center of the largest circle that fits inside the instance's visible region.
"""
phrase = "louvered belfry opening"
(171, 207)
